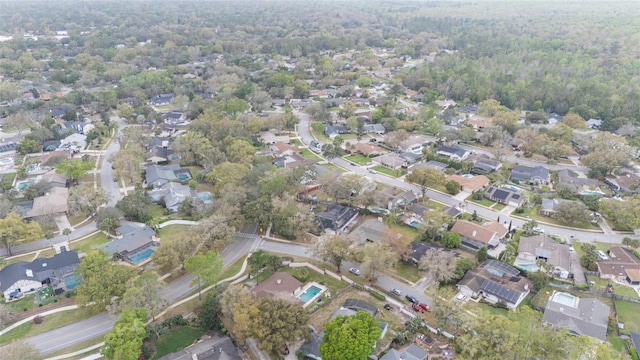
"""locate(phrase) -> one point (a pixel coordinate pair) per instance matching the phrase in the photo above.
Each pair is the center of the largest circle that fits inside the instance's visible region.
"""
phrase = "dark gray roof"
(500, 194)
(131, 240)
(410, 157)
(41, 268)
(500, 267)
(214, 348)
(455, 150)
(452, 211)
(157, 175)
(588, 317)
(413, 352)
(336, 216)
(355, 305)
(529, 172)
(494, 288)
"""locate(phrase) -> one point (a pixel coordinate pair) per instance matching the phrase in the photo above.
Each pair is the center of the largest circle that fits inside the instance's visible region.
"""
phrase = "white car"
(538, 230)
(461, 297)
(355, 271)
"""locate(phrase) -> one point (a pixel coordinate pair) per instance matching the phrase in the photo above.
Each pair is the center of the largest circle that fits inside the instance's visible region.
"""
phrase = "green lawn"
(405, 230)
(295, 142)
(317, 129)
(333, 167)
(155, 211)
(407, 271)
(498, 206)
(629, 314)
(332, 283)
(483, 202)
(601, 284)
(51, 322)
(90, 243)
(308, 154)
(232, 269)
(358, 159)
(387, 171)
(620, 345)
(7, 179)
(75, 220)
(173, 232)
(176, 339)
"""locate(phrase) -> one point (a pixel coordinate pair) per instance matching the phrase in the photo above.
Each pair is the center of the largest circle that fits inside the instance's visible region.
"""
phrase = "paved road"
(580, 235)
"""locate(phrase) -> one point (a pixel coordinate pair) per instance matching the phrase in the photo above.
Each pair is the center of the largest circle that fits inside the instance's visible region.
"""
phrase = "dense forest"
(530, 55)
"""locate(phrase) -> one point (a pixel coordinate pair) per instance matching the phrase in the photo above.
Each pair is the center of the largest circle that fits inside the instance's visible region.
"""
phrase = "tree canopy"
(350, 337)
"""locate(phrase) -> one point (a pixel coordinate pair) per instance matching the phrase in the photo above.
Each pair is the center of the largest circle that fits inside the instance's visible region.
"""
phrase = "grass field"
(629, 314)
(308, 154)
(333, 167)
(90, 243)
(50, 322)
(407, 271)
(155, 211)
(387, 171)
(176, 339)
(358, 159)
(232, 269)
(173, 232)
(317, 129)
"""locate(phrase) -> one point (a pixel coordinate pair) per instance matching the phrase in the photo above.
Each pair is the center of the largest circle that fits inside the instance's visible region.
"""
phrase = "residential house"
(437, 165)
(271, 137)
(479, 122)
(454, 153)
(554, 118)
(336, 217)
(53, 202)
(368, 149)
(468, 109)
(420, 248)
(48, 156)
(129, 100)
(496, 283)
(131, 240)
(627, 182)
(51, 145)
(475, 236)
(292, 161)
(279, 149)
(469, 183)
(581, 316)
(534, 248)
(172, 195)
(158, 175)
(216, 347)
(392, 161)
(418, 211)
(505, 195)
(8, 148)
(372, 230)
(57, 113)
(539, 175)
(54, 179)
(484, 166)
(175, 117)
(73, 143)
(280, 285)
(411, 352)
(548, 207)
(415, 145)
(160, 151)
(24, 277)
(622, 265)
(516, 144)
(374, 129)
(568, 179)
(410, 158)
(402, 199)
(446, 103)
(333, 131)
(162, 99)
(311, 349)
(452, 211)
(594, 123)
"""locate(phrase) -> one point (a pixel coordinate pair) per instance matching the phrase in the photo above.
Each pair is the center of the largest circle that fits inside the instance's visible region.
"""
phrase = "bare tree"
(440, 264)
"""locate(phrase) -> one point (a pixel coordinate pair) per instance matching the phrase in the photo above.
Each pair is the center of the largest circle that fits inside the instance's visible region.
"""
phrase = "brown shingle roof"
(280, 283)
(473, 231)
(368, 149)
(475, 183)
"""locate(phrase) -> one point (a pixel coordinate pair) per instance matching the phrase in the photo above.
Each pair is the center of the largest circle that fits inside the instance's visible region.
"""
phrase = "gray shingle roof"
(588, 317)
(41, 268)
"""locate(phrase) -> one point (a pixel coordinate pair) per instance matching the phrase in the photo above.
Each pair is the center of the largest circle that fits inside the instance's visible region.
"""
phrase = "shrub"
(38, 320)
(377, 295)
(303, 274)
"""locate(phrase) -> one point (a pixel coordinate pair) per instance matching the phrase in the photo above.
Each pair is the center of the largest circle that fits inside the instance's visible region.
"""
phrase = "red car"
(417, 308)
(425, 307)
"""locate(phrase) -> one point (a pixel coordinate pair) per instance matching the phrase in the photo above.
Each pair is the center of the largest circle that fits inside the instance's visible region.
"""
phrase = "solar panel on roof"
(502, 267)
(500, 291)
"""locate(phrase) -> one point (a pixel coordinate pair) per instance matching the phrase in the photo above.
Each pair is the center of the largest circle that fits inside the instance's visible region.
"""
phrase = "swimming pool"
(564, 299)
(311, 293)
(5, 161)
(467, 176)
(141, 256)
(22, 185)
(204, 196)
(32, 168)
(414, 224)
(529, 267)
(71, 282)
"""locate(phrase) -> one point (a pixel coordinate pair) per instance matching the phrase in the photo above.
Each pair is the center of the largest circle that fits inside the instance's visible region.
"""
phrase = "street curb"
(560, 226)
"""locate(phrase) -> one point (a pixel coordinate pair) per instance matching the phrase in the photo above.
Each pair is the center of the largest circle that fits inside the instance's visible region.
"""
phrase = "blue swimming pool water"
(414, 224)
(310, 293)
(71, 282)
(23, 185)
(141, 256)
(204, 196)
(529, 267)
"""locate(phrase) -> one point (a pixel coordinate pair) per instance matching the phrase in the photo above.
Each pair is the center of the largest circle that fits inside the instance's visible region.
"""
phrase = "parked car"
(372, 171)
(571, 248)
(602, 255)
(425, 307)
(417, 308)
(461, 297)
(538, 229)
(387, 307)
(412, 299)
(355, 271)
(396, 292)
(353, 164)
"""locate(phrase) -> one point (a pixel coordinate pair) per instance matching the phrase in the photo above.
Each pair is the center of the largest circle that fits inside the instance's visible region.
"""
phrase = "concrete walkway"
(62, 222)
